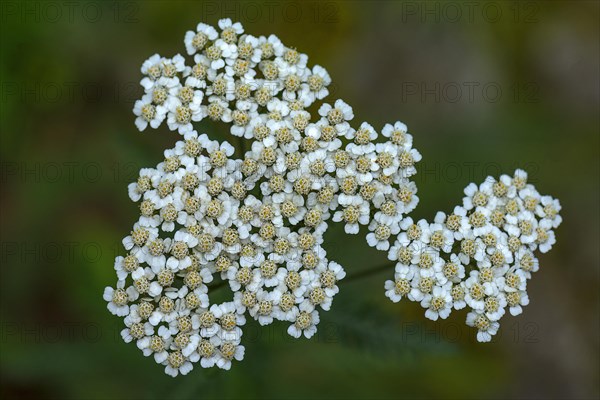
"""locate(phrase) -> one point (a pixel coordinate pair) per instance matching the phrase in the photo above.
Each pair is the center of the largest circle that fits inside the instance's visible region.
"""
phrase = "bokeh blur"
(485, 87)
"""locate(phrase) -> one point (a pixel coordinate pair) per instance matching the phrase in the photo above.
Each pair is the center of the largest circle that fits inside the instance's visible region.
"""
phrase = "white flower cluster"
(256, 223)
(481, 255)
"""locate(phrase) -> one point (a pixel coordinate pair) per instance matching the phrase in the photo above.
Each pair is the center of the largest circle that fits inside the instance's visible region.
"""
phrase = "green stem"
(369, 272)
(242, 146)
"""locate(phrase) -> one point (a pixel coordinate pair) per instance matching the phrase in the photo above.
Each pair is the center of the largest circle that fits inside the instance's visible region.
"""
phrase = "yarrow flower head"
(481, 255)
(256, 222)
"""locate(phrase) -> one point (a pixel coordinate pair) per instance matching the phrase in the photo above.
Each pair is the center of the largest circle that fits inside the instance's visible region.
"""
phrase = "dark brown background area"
(485, 87)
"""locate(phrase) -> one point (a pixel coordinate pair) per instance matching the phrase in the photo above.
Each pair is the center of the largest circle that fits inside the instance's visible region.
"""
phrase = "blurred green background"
(484, 87)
